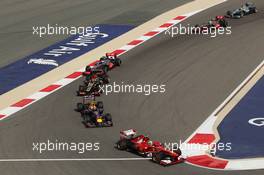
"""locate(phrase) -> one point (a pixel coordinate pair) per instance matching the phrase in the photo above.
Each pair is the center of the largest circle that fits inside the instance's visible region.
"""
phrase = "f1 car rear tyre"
(88, 68)
(178, 151)
(105, 69)
(100, 104)
(154, 158)
(148, 155)
(121, 145)
(102, 58)
(81, 88)
(106, 80)
(118, 62)
(242, 14)
(80, 107)
(87, 118)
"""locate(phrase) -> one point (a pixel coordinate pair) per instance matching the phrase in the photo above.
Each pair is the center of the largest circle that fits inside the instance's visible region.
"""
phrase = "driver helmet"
(150, 143)
(92, 106)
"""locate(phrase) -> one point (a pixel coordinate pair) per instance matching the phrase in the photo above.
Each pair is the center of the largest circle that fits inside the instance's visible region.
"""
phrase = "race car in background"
(105, 63)
(93, 85)
(215, 23)
(221, 20)
(246, 9)
(86, 103)
(93, 114)
(97, 73)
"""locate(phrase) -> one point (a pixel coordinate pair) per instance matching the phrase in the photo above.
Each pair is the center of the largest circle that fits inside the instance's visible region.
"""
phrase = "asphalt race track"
(199, 73)
(19, 16)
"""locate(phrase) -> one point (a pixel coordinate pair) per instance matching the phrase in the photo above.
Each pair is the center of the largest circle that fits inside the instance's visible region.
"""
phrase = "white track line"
(72, 159)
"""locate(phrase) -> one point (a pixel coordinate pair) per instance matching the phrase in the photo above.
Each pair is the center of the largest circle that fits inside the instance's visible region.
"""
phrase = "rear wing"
(127, 134)
(111, 55)
(88, 98)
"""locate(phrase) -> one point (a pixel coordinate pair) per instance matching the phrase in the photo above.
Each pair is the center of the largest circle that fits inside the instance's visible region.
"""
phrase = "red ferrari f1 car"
(142, 145)
(93, 114)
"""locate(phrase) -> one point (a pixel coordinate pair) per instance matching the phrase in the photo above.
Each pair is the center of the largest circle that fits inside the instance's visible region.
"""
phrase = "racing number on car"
(256, 122)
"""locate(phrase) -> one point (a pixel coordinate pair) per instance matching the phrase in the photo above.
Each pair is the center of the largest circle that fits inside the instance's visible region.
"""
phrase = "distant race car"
(140, 144)
(221, 20)
(92, 87)
(96, 74)
(106, 63)
(246, 9)
(167, 157)
(215, 23)
(93, 114)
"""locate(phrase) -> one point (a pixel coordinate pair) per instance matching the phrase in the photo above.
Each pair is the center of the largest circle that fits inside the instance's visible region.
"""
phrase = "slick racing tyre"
(87, 118)
(103, 58)
(80, 107)
(88, 68)
(105, 69)
(118, 62)
(108, 117)
(148, 155)
(100, 104)
(81, 88)
(229, 13)
(154, 158)
(106, 80)
(121, 145)
(178, 151)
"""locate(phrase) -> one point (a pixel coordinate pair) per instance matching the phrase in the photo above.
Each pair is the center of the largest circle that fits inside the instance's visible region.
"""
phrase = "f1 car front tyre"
(100, 104)
(105, 69)
(178, 151)
(118, 62)
(88, 68)
(87, 118)
(80, 107)
(148, 155)
(108, 117)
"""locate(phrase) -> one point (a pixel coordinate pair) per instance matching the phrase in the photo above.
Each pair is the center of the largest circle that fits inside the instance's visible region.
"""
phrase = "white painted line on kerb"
(71, 159)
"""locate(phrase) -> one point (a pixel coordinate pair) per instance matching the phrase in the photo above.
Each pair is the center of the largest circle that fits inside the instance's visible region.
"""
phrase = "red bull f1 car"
(93, 114)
